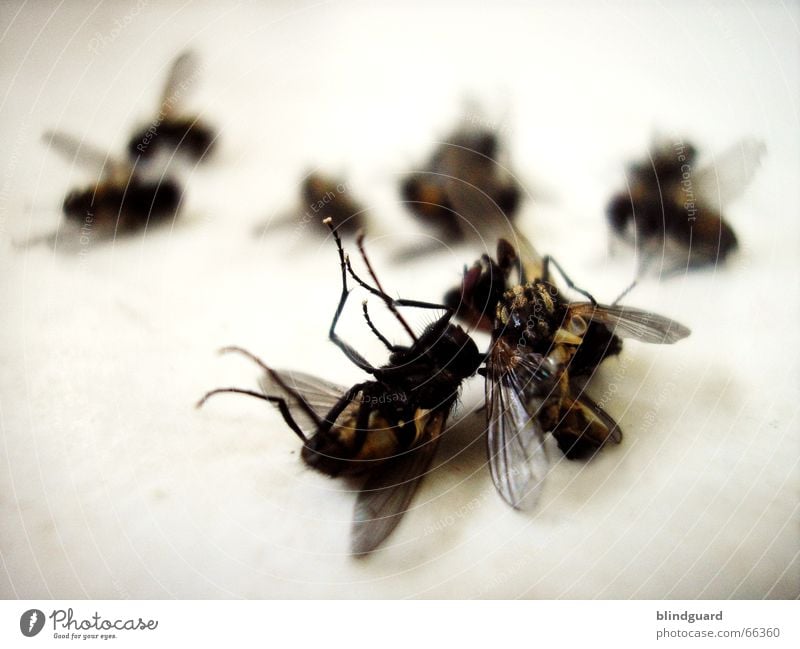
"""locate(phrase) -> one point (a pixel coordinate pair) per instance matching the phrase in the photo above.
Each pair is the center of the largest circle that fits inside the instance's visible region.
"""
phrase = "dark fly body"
(324, 197)
(321, 197)
(121, 201)
(671, 209)
(544, 348)
(464, 188)
(172, 130)
(385, 428)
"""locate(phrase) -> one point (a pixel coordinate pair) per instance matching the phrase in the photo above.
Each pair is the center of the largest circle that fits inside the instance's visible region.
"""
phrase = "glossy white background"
(113, 486)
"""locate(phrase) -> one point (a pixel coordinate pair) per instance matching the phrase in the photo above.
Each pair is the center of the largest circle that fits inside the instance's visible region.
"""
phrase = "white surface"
(113, 486)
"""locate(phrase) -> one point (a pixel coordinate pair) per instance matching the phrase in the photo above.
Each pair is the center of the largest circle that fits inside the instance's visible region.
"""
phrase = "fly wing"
(316, 393)
(478, 185)
(515, 439)
(726, 178)
(471, 199)
(83, 154)
(532, 264)
(627, 322)
(182, 73)
(385, 496)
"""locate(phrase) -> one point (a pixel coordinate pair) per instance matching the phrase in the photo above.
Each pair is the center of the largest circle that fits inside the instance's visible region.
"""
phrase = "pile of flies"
(466, 189)
(172, 130)
(386, 428)
(121, 201)
(322, 197)
(544, 349)
(672, 211)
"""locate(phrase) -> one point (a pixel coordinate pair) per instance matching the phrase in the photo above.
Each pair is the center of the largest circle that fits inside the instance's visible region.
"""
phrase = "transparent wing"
(385, 496)
(515, 439)
(628, 322)
(318, 394)
(477, 181)
(83, 154)
(726, 178)
(182, 74)
(532, 264)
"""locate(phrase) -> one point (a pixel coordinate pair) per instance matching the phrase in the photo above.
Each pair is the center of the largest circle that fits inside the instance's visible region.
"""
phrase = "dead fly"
(543, 349)
(322, 197)
(328, 198)
(171, 129)
(673, 210)
(386, 428)
(487, 281)
(465, 188)
(476, 302)
(121, 201)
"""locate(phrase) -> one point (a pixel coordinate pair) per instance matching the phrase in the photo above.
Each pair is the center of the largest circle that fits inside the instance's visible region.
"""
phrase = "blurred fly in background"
(672, 210)
(466, 190)
(322, 197)
(121, 201)
(173, 129)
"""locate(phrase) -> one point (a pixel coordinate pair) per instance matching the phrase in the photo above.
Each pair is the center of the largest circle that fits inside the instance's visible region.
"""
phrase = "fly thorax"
(531, 313)
(432, 370)
(438, 394)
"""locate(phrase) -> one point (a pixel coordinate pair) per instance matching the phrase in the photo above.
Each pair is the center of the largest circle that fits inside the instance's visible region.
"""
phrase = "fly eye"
(577, 325)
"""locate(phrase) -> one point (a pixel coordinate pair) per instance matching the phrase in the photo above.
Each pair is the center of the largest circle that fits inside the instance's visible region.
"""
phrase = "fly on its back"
(386, 428)
(544, 348)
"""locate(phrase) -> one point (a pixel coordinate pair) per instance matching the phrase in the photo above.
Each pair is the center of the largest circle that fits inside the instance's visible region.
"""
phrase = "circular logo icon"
(31, 622)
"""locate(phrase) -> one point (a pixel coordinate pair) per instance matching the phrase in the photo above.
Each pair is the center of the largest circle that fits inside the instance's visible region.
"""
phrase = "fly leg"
(281, 404)
(392, 348)
(277, 401)
(546, 277)
(349, 351)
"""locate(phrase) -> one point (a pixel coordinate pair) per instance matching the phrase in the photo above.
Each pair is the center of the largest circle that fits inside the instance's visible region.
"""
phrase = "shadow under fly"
(386, 428)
